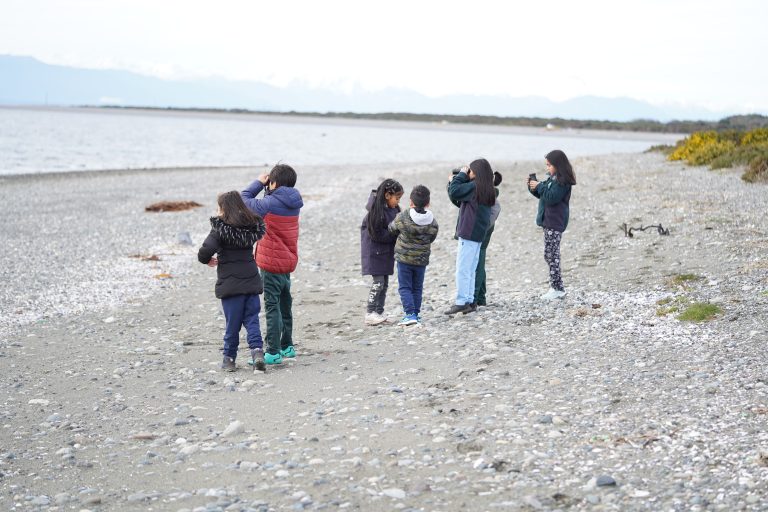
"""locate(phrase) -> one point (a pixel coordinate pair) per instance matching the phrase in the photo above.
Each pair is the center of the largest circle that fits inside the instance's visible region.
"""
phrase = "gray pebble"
(605, 481)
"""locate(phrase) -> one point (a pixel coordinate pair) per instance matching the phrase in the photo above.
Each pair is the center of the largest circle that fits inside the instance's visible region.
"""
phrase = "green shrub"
(757, 170)
(664, 149)
(742, 155)
(699, 312)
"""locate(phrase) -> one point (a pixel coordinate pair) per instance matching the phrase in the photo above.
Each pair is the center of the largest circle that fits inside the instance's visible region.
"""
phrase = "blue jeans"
(239, 311)
(410, 285)
(466, 263)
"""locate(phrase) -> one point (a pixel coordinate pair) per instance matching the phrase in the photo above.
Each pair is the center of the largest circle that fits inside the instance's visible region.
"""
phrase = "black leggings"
(378, 294)
(552, 240)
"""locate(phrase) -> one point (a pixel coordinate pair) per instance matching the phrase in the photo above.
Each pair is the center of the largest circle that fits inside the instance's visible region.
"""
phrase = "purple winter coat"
(377, 254)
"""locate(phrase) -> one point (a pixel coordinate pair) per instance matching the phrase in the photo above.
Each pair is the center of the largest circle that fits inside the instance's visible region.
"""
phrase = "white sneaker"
(553, 294)
(374, 319)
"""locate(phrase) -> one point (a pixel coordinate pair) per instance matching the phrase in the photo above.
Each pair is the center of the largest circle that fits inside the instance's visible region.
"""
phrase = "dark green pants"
(480, 272)
(277, 308)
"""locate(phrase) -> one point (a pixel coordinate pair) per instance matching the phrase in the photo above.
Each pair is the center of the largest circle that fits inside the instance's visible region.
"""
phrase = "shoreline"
(338, 121)
(153, 171)
(522, 405)
(90, 173)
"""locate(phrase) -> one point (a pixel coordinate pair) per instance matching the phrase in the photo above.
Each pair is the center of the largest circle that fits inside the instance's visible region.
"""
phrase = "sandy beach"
(112, 398)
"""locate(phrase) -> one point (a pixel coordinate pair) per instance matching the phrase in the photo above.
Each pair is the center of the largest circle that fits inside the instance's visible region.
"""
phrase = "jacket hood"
(289, 197)
(238, 236)
(421, 219)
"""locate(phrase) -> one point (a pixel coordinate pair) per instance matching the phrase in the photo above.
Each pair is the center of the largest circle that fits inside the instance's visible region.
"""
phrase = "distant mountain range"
(27, 81)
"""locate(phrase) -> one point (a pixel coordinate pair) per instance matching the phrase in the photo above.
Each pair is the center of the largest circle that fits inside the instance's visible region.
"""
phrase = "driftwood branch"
(628, 230)
(172, 206)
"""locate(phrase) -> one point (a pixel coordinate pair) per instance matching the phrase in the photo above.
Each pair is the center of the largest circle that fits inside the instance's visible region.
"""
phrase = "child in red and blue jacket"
(277, 254)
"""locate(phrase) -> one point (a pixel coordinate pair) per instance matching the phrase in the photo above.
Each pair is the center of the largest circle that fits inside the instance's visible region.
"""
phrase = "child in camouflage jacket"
(416, 229)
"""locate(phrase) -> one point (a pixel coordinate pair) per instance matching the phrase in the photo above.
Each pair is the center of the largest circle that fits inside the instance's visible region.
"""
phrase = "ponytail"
(376, 215)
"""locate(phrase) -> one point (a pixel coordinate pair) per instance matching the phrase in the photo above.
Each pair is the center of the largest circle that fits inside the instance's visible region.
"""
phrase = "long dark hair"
(234, 212)
(376, 218)
(484, 191)
(563, 169)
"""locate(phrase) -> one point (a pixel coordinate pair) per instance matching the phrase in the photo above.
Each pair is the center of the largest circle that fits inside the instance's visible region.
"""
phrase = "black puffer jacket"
(237, 273)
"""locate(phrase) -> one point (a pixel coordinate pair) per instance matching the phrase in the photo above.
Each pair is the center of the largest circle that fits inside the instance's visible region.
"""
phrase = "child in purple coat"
(377, 245)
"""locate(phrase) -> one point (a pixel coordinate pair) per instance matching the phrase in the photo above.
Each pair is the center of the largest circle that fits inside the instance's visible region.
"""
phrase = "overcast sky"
(702, 53)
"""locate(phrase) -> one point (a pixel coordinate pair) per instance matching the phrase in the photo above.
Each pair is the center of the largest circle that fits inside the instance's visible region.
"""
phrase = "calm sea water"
(44, 140)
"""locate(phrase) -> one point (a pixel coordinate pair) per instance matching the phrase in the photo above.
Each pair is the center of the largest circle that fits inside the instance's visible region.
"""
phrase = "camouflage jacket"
(415, 234)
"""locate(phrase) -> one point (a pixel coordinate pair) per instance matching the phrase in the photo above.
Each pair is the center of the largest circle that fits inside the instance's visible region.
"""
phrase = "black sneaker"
(228, 364)
(456, 308)
(257, 360)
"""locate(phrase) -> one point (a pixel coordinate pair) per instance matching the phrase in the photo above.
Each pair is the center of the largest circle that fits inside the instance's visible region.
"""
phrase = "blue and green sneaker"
(288, 352)
(273, 358)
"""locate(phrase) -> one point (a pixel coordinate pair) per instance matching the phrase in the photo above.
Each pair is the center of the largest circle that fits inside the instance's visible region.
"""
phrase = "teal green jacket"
(554, 209)
(474, 218)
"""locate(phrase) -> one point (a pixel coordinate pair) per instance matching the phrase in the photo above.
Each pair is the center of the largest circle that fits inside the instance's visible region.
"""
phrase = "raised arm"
(461, 188)
(249, 195)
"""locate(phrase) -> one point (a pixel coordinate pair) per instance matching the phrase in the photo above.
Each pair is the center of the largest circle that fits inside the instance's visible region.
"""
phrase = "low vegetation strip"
(739, 122)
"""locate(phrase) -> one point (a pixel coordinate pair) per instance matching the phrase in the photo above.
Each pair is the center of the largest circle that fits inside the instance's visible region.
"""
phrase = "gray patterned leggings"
(552, 240)
(378, 294)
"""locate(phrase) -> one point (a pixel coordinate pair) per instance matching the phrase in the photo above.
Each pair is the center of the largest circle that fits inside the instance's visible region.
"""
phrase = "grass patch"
(667, 311)
(683, 279)
(669, 305)
(699, 312)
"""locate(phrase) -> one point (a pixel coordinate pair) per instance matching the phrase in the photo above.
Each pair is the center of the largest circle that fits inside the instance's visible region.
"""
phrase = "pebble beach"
(110, 338)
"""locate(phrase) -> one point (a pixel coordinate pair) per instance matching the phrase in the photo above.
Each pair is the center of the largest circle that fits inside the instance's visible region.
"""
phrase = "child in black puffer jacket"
(233, 233)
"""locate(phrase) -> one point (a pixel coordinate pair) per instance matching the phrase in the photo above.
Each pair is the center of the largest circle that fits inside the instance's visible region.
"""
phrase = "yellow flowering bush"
(705, 154)
(702, 147)
(756, 136)
(689, 145)
(726, 149)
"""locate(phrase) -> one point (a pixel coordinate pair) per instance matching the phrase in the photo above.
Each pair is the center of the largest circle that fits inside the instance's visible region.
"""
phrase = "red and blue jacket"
(278, 251)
